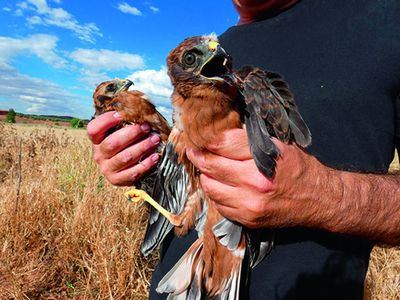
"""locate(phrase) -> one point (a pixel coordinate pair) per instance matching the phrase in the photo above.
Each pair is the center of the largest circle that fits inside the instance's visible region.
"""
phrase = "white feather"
(177, 117)
(212, 36)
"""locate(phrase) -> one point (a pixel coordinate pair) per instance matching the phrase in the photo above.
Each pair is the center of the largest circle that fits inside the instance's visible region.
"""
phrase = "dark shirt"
(342, 61)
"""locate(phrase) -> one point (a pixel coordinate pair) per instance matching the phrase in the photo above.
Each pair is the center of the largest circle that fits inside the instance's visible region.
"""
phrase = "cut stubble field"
(66, 233)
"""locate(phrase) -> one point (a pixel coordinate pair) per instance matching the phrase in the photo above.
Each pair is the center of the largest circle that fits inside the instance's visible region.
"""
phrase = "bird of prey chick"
(134, 106)
(209, 98)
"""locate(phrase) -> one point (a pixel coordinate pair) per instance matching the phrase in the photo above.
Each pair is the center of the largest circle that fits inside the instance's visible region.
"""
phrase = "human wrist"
(325, 189)
(309, 194)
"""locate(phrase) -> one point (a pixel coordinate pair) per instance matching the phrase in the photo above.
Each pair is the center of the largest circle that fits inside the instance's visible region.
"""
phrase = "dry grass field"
(66, 233)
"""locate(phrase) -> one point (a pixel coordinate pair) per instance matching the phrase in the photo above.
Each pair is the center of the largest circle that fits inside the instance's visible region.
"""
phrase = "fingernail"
(117, 116)
(155, 139)
(155, 157)
(145, 127)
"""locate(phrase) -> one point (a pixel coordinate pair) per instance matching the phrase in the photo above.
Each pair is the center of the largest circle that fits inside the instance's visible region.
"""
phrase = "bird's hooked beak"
(217, 63)
(123, 85)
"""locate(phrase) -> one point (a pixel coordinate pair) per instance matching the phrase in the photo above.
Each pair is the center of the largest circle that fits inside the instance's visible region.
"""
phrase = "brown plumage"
(209, 98)
(134, 106)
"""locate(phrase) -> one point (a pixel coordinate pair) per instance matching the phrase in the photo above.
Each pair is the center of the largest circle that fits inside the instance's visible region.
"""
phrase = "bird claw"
(135, 195)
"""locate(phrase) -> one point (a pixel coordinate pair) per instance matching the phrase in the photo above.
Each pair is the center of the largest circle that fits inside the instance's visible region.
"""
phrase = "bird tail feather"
(179, 282)
(185, 281)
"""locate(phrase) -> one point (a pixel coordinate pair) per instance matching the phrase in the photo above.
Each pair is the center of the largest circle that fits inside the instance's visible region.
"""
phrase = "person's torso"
(341, 61)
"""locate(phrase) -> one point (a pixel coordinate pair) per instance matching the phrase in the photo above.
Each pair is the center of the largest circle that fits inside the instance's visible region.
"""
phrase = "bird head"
(108, 89)
(199, 60)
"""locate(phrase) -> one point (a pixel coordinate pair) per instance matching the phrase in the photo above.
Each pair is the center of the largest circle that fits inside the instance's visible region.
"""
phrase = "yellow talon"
(135, 195)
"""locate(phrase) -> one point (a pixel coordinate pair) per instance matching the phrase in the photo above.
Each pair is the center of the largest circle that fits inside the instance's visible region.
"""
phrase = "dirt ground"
(29, 121)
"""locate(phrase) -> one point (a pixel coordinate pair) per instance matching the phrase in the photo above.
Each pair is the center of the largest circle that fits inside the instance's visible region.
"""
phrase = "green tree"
(10, 118)
(76, 123)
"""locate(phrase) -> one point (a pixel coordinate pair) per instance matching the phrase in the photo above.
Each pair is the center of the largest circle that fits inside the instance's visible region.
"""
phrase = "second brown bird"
(134, 106)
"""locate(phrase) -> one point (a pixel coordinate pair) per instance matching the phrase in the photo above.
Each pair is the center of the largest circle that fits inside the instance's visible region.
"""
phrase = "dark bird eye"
(110, 87)
(189, 58)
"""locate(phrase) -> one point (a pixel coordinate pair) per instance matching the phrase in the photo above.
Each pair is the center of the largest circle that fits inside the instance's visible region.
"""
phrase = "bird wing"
(270, 112)
(259, 244)
(170, 192)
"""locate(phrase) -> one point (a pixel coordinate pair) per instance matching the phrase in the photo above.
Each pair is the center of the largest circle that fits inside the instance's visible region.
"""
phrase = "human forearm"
(304, 192)
(365, 205)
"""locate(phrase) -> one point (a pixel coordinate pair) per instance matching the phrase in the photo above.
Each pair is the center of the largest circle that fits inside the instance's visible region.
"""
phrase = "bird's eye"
(110, 87)
(189, 58)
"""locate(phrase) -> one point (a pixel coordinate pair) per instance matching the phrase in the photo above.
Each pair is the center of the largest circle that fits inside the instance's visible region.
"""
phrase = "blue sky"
(54, 52)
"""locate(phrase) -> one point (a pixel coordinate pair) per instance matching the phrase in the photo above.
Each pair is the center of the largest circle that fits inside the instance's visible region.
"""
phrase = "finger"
(122, 138)
(133, 154)
(230, 213)
(281, 146)
(97, 128)
(232, 144)
(219, 192)
(128, 176)
(234, 203)
(229, 171)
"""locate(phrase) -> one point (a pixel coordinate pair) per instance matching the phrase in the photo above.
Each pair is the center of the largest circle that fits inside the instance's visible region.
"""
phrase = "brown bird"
(134, 106)
(209, 98)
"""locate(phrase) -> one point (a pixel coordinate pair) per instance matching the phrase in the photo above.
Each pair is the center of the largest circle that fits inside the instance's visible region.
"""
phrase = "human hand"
(125, 155)
(242, 193)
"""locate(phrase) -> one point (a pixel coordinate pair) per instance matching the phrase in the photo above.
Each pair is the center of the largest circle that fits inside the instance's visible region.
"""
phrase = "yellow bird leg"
(135, 195)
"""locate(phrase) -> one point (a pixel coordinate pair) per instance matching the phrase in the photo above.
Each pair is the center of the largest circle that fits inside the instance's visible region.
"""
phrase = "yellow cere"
(213, 45)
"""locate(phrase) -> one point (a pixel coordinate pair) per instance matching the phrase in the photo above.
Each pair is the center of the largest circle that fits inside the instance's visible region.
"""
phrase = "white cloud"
(43, 14)
(157, 85)
(166, 112)
(154, 9)
(7, 9)
(41, 45)
(23, 5)
(36, 95)
(153, 82)
(34, 20)
(96, 63)
(19, 13)
(128, 9)
(109, 60)
(91, 78)
(41, 6)
(35, 108)
(5, 67)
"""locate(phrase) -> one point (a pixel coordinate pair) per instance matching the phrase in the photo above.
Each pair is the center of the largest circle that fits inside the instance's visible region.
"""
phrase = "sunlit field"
(66, 233)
